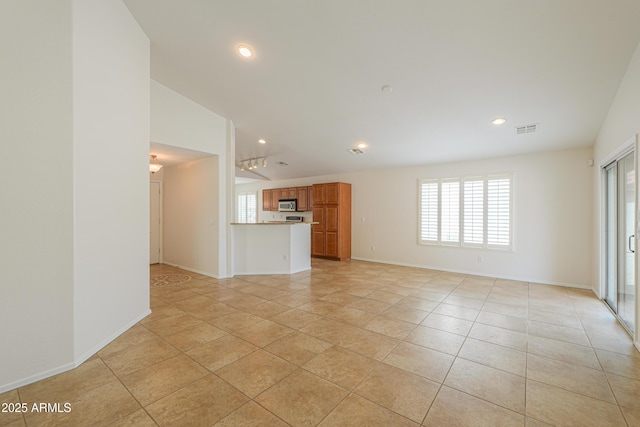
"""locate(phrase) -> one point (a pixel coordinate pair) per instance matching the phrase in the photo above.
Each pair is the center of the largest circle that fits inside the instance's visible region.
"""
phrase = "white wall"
(75, 132)
(180, 122)
(621, 124)
(36, 213)
(111, 107)
(552, 221)
(190, 212)
(623, 119)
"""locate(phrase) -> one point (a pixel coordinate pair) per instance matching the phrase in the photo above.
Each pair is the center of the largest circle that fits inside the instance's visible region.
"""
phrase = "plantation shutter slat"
(499, 211)
(429, 212)
(247, 208)
(473, 213)
(450, 211)
(252, 207)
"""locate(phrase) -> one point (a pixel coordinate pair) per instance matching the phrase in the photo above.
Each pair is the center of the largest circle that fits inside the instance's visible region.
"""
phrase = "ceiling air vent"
(520, 130)
(355, 151)
(283, 164)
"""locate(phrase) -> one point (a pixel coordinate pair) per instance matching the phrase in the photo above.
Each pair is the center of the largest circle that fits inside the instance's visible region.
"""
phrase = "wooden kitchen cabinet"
(331, 237)
(275, 196)
(266, 200)
(318, 191)
(332, 194)
(302, 194)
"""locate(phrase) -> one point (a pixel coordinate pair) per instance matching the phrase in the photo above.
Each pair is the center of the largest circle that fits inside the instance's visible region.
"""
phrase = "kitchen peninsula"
(271, 247)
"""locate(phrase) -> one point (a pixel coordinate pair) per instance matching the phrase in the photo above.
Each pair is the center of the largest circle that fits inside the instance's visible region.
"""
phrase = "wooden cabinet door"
(331, 218)
(331, 244)
(266, 200)
(301, 195)
(318, 243)
(293, 193)
(318, 216)
(275, 196)
(318, 194)
(310, 198)
(284, 193)
(332, 194)
(318, 232)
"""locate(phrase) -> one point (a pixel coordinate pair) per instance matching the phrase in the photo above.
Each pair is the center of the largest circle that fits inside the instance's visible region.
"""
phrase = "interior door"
(620, 198)
(154, 223)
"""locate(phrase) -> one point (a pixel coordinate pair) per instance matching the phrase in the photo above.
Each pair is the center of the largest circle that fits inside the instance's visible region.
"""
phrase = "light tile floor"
(353, 344)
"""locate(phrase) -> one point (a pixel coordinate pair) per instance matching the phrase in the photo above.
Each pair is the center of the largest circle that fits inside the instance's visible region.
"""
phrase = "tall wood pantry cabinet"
(331, 237)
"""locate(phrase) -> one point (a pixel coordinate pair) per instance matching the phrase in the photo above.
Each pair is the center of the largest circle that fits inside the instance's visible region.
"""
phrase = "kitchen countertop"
(273, 223)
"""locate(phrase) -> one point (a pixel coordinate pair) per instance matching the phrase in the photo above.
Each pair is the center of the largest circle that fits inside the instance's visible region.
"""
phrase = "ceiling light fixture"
(362, 145)
(252, 163)
(245, 51)
(262, 141)
(499, 121)
(154, 166)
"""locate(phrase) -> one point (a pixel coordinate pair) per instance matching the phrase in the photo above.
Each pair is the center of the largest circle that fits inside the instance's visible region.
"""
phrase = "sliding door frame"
(631, 145)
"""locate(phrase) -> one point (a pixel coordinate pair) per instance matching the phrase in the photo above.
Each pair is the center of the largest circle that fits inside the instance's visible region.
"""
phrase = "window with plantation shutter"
(473, 213)
(450, 212)
(469, 211)
(499, 211)
(429, 211)
(247, 208)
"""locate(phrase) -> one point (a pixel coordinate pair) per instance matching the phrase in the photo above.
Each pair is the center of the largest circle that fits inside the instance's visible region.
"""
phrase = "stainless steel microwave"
(287, 205)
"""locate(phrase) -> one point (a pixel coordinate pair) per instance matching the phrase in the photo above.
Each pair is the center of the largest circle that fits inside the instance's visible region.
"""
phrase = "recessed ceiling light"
(499, 121)
(245, 51)
(262, 141)
(362, 145)
(387, 89)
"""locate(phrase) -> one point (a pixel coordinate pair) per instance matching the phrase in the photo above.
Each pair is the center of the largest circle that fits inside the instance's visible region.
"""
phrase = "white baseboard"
(77, 362)
(258, 273)
(193, 270)
(37, 377)
(83, 357)
(474, 273)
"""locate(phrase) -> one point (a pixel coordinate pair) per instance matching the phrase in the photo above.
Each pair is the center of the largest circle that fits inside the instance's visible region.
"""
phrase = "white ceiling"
(313, 89)
(168, 155)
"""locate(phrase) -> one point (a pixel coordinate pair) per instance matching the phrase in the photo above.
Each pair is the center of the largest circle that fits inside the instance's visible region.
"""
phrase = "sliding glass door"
(620, 199)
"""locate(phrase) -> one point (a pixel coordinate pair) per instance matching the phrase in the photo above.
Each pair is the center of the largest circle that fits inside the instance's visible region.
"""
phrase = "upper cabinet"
(304, 195)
